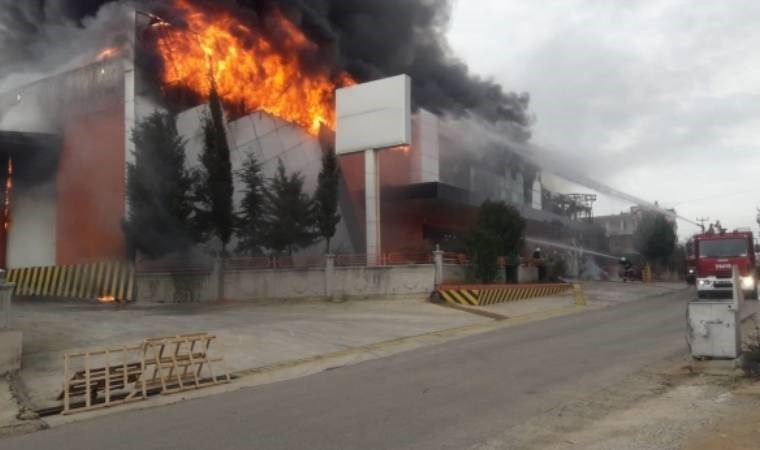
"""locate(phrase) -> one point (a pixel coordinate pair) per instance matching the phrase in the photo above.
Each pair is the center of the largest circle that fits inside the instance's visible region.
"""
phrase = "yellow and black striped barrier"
(459, 295)
(111, 280)
(482, 295)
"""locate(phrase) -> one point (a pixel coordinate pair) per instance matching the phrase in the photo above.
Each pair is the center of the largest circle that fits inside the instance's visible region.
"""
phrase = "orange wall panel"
(91, 188)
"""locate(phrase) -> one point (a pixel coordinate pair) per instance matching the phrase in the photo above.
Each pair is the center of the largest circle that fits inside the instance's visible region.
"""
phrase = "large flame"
(249, 71)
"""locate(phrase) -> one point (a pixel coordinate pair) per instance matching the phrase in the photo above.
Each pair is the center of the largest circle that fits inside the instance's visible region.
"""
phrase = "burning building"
(65, 139)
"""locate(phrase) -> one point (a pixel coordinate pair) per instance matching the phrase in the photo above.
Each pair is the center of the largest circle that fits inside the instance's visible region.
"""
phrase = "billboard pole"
(372, 206)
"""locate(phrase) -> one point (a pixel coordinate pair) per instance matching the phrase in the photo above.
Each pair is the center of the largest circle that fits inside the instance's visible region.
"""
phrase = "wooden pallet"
(108, 377)
(182, 362)
(105, 378)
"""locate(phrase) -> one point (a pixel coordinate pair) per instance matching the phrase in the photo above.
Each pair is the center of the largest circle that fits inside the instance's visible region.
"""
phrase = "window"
(723, 248)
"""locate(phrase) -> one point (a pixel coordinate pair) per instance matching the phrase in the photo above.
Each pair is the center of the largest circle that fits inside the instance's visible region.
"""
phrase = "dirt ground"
(673, 405)
(738, 428)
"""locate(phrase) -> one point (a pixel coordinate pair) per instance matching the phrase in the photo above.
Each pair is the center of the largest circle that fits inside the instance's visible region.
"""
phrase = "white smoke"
(60, 45)
(560, 163)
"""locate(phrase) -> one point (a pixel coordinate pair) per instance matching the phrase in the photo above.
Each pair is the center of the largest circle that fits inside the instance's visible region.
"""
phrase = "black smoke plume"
(368, 38)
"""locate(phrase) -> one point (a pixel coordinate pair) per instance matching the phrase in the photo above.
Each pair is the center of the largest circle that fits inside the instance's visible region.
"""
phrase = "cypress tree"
(214, 192)
(250, 221)
(326, 197)
(159, 190)
(289, 213)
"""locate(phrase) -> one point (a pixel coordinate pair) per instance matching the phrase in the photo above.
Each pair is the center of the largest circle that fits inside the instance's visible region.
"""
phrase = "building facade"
(620, 229)
(65, 145)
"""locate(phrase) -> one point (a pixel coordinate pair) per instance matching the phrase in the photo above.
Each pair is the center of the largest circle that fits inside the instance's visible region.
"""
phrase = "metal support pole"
(372, 206)
(329, 276)
(438, 261)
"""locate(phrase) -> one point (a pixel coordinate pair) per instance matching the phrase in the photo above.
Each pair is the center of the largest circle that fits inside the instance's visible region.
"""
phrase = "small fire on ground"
(106, 299)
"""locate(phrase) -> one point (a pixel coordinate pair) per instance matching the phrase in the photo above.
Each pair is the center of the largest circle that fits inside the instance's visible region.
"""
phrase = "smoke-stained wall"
(91, 187)
(72, 212)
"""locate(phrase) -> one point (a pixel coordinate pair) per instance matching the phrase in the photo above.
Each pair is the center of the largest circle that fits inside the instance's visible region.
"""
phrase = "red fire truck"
(716, 253)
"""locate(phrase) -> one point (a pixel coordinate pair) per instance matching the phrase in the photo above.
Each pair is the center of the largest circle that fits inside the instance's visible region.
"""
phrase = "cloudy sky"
(659, 98)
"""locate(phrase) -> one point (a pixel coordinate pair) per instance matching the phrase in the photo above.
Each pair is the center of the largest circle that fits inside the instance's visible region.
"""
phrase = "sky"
(657, 98)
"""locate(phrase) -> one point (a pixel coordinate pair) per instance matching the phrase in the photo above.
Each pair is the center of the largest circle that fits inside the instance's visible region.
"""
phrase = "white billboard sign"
(373, 115)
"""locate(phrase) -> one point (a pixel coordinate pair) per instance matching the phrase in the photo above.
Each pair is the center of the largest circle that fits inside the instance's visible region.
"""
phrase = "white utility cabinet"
(714, 327)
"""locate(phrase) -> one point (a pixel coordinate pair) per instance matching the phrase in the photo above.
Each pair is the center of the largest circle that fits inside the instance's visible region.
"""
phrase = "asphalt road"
(453, 395)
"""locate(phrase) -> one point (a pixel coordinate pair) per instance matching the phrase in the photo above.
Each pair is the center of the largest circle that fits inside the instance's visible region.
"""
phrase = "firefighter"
(627, 266)
(540, 264)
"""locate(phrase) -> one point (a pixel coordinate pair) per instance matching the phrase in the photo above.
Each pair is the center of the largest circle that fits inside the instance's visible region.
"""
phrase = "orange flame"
(108, 53)
(106, 299)
(247, 68)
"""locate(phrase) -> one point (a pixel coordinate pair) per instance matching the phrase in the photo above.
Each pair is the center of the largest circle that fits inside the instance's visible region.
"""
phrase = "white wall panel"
(32, 236)
(375, 115)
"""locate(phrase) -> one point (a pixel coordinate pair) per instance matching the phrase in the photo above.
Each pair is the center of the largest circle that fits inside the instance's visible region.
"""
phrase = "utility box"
(713, 330)
(714, 327)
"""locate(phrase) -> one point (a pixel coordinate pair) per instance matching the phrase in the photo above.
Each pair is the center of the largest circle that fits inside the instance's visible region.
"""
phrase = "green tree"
(288, 213)
(250, 220)
(326, 197)
(654, 238)
(159, 190)
(215, 217)
(482, 247)
(506, 223)
(499, 226)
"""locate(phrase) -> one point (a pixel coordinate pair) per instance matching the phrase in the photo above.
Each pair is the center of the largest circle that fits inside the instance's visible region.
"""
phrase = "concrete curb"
(24, 419)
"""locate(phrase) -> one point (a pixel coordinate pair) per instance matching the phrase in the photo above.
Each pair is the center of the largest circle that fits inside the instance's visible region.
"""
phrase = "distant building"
(621, 227)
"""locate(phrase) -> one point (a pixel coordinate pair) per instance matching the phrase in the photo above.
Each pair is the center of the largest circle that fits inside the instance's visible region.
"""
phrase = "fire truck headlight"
(748, 282)
(704, 282)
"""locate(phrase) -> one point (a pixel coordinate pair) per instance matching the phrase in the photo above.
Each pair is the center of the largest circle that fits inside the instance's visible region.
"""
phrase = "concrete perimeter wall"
(459, 274)
(381, 281)
(173, 288)
(274, 283)
(242, 285)
(455, 274)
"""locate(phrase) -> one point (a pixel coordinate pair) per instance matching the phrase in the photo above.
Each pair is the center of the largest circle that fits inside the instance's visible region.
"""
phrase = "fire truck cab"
(716, 253)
